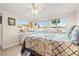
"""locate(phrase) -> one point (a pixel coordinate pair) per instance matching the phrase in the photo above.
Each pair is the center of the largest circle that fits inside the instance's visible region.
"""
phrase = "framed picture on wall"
(11, 21)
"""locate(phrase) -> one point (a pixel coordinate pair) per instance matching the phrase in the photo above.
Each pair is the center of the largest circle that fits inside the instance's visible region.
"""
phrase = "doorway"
(0, 34)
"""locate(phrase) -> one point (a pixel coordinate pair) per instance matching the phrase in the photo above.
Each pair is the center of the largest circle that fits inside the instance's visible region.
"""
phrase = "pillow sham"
(75, 35)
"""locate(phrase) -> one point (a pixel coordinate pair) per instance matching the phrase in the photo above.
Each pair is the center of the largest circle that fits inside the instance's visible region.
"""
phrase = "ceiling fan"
(34, 9)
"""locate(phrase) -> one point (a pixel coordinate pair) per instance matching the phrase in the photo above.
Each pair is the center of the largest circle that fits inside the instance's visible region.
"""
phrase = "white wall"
(77, 17)
(10, 33)
(72, 20)
(0, 35)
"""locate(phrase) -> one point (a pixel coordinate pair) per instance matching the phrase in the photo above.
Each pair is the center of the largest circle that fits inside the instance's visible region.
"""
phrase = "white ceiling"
(46, 10)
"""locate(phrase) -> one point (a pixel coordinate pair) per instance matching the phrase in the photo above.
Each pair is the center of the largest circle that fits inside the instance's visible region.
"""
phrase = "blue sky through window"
(63, 21)
(19, 22)
(43, 24)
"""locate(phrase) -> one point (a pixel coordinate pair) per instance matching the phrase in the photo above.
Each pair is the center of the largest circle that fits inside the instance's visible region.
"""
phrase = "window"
(59, 22)
(43, 24)
(20, 23)
(63, 22)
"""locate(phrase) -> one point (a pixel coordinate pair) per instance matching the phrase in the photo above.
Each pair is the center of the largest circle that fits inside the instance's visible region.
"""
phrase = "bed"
(70, 37)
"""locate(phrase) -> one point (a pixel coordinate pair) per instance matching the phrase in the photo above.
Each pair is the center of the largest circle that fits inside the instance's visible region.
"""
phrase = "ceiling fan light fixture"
(35, 11)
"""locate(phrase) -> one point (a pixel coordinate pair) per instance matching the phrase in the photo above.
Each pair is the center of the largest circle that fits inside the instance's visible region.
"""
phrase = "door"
(0, 33)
